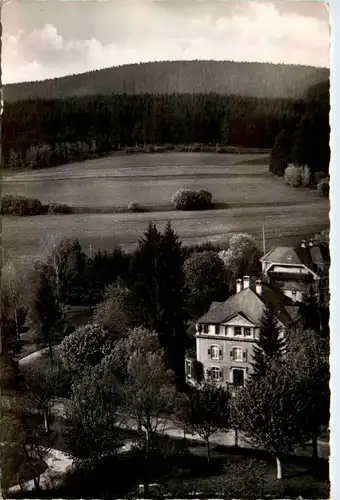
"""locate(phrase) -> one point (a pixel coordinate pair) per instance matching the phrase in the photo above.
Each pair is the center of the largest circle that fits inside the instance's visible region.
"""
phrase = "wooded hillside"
(262, 80)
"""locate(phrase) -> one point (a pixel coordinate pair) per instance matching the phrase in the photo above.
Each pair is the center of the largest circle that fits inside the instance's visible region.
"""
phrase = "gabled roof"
(282, 255)
(251, 305)
(317, 254)
(214, 304)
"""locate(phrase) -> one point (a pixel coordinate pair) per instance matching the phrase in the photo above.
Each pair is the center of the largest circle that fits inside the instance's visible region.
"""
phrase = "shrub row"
(190, 199)
(22, 206)
(19, 205)
(297, 176)
(191, 148)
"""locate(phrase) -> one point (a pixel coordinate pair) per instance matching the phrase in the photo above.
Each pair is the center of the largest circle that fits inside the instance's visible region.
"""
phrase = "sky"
(51, 38)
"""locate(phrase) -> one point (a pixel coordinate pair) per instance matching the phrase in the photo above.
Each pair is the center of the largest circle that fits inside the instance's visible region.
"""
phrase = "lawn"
(246, 194)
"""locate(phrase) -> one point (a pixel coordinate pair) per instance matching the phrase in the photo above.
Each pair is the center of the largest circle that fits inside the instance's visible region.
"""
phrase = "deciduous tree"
(93, 415)
(206, 281)
(308, 361)
(205, 411)
(115, 312)
(45, 314)
(42, 383)
(241, 256)
(85, 347)
(270, 413)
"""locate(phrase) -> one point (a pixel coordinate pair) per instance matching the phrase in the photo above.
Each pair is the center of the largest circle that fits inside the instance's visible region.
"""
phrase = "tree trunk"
(46, 426)
(146, 489)
(236, 438)
(50, 350)
(315, 446)
(148, 434)
(36, 479)
(16, 323)
(139, 423)
(207, 443)
(278, 468)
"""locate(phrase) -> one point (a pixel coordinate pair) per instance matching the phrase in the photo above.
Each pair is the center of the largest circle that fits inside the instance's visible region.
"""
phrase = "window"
(215, 352)
(217, 329)
(237, 330)
(205, 328)
(238, 377)
(247, 331)
(238, 354)
(216, 373)
(188, 368)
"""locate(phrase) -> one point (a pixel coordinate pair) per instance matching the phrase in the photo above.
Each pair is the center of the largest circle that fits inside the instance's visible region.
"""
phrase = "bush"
(318, 177)
(19, 205)
(293, 176)
(204, 198)
(58, 208)
(305, 176)
(323, 187)
(133, 206)
(189, 199)
(85, 347)
(297, 176)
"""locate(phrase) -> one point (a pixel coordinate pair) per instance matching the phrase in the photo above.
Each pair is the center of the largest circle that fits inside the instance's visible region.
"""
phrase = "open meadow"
(246, 196)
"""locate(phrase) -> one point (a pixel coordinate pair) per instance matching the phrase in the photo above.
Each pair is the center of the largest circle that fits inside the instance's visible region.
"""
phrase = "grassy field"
(246, 194)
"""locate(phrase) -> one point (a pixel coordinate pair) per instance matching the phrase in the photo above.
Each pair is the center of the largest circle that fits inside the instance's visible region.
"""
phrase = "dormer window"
(237, 331)
(247, 331)
(289, 258)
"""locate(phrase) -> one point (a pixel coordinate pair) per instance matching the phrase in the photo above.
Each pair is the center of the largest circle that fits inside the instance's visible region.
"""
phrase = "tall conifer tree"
(269, 345)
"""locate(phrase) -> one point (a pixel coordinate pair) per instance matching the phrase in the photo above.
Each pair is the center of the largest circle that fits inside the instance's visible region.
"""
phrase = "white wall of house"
(238, 326)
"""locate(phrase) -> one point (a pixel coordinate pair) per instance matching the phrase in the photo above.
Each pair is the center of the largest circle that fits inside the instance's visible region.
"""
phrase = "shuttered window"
(215, 352)
(238, 354)
(216, 373)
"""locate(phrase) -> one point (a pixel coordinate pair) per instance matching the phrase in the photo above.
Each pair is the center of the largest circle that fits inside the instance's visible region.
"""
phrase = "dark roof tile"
(251, 305)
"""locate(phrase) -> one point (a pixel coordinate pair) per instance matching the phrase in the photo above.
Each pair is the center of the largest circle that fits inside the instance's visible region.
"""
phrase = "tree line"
(43, 132)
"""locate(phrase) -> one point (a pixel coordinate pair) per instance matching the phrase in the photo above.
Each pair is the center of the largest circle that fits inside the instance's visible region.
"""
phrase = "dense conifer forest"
(251, 79)
(45, 132)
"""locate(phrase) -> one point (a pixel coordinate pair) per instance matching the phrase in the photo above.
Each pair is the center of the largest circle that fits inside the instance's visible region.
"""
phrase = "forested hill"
(263, 80)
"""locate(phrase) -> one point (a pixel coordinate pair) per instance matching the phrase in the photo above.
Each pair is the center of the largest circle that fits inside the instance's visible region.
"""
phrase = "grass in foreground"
(182, 471)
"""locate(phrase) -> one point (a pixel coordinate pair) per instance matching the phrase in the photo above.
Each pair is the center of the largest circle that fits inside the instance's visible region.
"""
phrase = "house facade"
(225, 335)
(293, 270)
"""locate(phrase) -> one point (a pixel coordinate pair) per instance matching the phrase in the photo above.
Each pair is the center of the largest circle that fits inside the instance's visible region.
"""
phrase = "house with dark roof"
(225, 335)
(294, 270)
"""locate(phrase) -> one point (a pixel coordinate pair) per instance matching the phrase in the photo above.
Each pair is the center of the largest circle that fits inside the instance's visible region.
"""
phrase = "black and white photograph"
(165, 249)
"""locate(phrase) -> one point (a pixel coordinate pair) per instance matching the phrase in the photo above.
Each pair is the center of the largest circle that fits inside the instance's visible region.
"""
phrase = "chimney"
(258, 287)
(246, 282)
(303, 244)
(238, 286)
